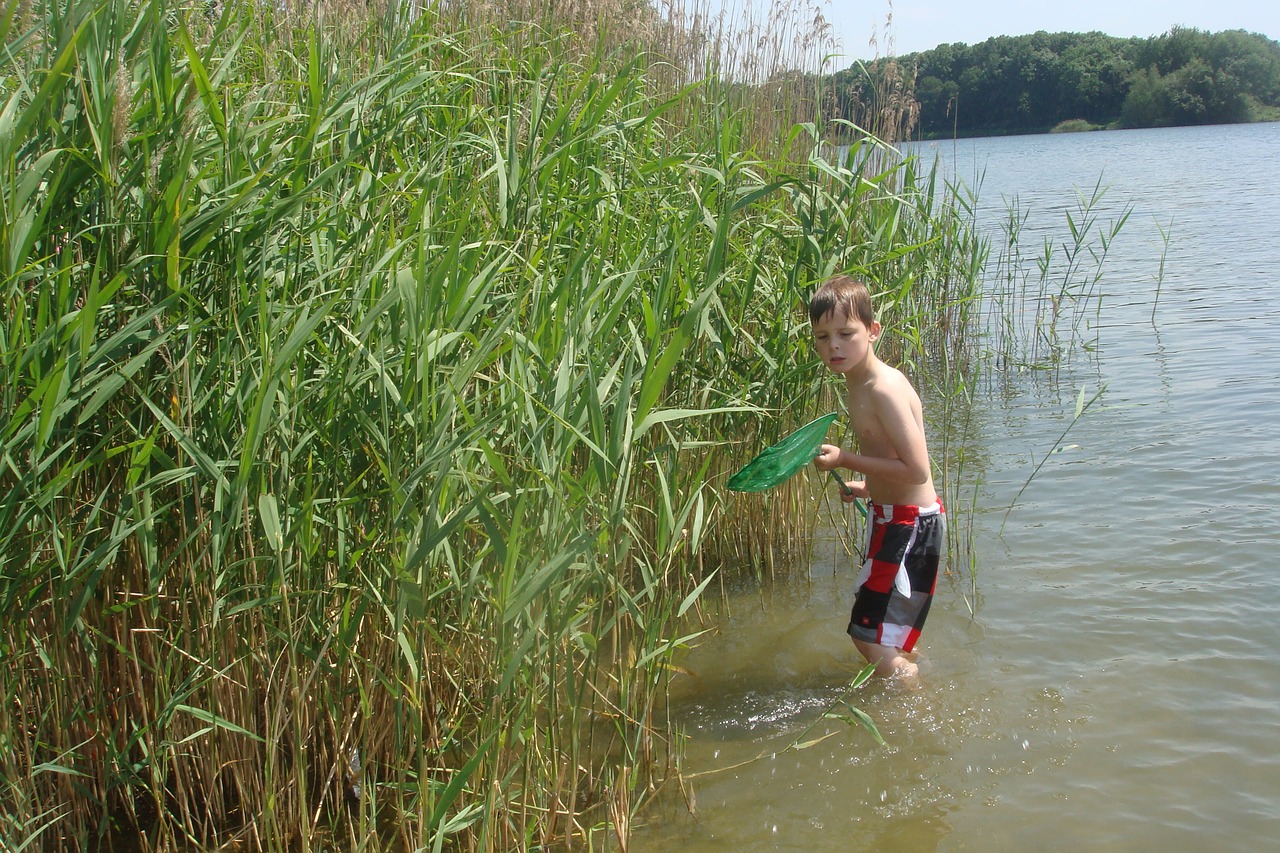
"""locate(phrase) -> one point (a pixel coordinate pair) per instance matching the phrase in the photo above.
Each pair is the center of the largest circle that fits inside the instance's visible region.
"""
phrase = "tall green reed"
(1042, 303)
(366, 389)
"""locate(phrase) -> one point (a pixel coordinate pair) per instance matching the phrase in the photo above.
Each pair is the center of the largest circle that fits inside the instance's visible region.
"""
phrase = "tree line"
(1034, 83)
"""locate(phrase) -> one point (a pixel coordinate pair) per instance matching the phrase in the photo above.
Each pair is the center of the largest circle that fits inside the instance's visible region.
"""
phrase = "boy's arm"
(901, 420)
(875, 467)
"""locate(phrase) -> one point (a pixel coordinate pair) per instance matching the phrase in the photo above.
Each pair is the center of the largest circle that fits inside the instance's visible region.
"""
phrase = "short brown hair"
(843, 293)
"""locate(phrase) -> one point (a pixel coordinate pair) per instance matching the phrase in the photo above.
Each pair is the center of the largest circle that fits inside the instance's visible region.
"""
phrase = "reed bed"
(369, 381)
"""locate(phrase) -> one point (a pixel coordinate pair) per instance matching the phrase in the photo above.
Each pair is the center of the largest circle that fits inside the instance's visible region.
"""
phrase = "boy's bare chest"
(867, 426)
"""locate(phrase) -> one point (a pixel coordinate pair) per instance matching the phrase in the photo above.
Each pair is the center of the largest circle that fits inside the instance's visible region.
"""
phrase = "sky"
(919, 25)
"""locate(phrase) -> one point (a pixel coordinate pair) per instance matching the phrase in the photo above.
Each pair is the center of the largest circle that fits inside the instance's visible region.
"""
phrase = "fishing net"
(779, 462)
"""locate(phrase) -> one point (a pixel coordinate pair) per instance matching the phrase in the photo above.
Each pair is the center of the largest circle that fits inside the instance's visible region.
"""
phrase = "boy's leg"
(887, 659)
(880, 612)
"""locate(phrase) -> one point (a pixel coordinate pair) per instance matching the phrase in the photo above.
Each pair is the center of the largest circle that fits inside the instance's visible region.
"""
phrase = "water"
(1117, 683)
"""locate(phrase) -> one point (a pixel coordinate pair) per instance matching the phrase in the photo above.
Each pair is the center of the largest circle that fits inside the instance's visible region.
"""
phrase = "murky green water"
(1117, 685)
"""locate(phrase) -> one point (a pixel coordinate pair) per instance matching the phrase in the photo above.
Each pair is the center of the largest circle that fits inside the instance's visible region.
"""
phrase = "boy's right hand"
(854, 490)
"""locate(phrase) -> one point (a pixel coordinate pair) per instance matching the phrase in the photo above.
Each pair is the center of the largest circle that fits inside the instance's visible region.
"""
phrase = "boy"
(907, 528)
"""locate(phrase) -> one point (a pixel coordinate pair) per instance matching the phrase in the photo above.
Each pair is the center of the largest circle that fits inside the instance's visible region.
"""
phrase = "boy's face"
(843, 342)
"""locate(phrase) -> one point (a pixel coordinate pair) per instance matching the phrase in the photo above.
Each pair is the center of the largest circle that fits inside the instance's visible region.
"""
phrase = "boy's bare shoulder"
(890, 383)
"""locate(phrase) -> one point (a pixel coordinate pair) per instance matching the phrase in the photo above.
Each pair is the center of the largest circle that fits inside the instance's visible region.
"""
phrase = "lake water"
(1112, 681)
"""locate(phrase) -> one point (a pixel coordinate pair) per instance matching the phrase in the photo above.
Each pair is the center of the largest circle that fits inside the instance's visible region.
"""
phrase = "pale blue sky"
(922, 24)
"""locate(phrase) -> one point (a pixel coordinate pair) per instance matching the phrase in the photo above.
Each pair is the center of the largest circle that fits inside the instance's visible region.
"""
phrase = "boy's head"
(845, 296)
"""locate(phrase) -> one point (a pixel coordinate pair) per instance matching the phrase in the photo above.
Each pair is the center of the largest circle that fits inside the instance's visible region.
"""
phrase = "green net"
(779, 462)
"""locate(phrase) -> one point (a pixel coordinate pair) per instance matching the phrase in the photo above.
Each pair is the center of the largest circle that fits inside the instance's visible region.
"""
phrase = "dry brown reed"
(770, 59)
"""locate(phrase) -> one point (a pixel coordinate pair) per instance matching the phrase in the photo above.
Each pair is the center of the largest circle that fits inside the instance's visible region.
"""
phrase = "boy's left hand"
(828, 458)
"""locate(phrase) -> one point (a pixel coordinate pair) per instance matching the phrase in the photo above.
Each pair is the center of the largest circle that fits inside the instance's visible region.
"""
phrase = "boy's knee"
(887, 659)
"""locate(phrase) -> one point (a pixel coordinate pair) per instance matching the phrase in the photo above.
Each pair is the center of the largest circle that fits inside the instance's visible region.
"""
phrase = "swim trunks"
(895, 586)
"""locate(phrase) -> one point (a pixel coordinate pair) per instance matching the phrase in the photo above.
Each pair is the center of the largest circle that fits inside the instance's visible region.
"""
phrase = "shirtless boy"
(907, 527)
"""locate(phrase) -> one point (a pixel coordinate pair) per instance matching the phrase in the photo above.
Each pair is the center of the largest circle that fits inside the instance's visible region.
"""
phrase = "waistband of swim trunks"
(904, 513)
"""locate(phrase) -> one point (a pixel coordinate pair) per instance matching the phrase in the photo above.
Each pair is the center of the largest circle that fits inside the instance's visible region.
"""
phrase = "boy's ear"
(873, 331)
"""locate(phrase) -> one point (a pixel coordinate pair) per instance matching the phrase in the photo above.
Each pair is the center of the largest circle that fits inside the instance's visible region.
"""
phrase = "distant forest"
(1046, 81)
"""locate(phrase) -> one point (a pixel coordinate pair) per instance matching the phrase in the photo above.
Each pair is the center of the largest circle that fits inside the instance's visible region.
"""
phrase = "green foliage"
(1074, 125)
(1148, 103)
(366, 391)
(1031, 83)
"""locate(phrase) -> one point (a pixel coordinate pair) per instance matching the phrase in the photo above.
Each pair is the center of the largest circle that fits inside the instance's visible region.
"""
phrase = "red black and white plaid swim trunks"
(896, 584)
